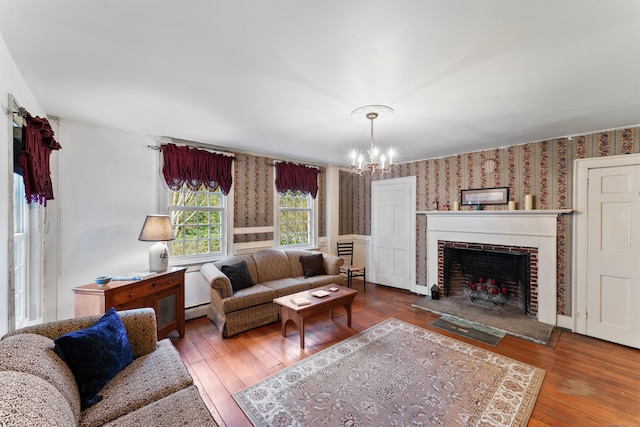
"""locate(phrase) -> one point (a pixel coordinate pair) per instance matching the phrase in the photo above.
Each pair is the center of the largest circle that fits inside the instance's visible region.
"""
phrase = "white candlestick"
(528, 202)
(512, 205)
(456, 206)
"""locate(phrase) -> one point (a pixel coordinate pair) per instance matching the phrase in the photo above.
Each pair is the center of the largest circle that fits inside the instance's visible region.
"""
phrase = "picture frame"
(484, 196)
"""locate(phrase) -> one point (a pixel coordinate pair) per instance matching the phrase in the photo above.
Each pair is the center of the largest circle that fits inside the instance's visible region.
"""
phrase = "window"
(199, 222)
(296, 213)
(20, 252)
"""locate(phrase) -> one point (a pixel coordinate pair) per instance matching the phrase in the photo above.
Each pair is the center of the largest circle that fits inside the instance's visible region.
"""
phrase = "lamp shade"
(157, 228)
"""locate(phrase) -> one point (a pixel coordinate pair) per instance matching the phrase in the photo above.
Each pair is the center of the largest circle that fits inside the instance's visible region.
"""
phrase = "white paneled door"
(613, 268)
(393, 218)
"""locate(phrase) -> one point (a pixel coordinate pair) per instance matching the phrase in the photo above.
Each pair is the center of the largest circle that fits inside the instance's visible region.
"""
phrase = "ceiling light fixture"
(374, 161)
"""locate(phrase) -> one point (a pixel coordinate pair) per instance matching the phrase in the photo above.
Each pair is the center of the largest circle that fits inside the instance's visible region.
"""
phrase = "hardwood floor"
(588, 382)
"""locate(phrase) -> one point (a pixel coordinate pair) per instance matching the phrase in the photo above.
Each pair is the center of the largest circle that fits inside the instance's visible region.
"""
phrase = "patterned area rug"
(395, 373)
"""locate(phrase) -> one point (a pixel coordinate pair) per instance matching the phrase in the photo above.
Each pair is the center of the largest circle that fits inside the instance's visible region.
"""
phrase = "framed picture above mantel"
(484, 196)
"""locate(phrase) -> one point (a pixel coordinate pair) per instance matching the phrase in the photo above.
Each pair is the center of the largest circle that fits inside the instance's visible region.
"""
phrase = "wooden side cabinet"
(164, 292)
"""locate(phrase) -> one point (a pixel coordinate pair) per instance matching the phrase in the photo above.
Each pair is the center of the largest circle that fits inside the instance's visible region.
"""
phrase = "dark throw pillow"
(96, 354)
(312, 265)
(239, 275)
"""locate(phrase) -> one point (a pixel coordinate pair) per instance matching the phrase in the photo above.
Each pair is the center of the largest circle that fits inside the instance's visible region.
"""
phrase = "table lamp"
(157, 228)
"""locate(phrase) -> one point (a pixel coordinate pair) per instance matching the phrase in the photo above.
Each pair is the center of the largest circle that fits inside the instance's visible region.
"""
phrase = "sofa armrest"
(142, 330)
(140, 324)
(332, 263)
(217, 280)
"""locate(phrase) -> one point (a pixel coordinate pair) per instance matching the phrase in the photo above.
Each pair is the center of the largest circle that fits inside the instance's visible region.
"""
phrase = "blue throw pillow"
(96, 354)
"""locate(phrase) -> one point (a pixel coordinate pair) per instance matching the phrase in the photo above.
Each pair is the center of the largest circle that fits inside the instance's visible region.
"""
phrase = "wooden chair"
(345, 249)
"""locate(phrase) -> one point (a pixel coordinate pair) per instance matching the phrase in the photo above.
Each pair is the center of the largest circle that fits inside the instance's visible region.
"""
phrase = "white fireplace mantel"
(533, 228)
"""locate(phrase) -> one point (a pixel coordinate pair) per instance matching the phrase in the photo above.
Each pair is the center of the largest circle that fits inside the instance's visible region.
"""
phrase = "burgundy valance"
(34, 159)
(290, 176)
(194, 167)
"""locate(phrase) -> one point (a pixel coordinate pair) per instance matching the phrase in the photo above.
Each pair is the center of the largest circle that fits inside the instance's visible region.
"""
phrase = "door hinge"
(586, 315)
(587, 184)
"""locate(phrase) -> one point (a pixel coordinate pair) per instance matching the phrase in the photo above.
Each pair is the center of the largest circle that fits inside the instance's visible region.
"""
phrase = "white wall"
(107, 183)
(11, 82)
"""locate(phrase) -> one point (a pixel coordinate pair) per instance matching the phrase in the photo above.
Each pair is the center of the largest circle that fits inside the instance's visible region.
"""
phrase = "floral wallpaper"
(543, 169)
(253, 205)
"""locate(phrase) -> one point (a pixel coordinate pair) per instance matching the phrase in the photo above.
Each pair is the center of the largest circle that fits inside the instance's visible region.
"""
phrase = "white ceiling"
(281, 77)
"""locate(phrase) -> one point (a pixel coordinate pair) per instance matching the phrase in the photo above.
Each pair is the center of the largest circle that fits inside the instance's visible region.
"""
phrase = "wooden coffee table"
(290, 311)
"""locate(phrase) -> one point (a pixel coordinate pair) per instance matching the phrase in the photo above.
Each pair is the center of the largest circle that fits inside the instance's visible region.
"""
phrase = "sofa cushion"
(316, 281)
(96, 354)
(145, 380)
(249, 297)
(182, 408)
(239, 276)
(312, 265)
(272, 264)
(26, 399)
(34, 354)
(288, 286)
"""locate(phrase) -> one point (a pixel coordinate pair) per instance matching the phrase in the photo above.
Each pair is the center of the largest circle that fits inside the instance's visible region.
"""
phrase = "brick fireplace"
(533, 233)
(515, 268)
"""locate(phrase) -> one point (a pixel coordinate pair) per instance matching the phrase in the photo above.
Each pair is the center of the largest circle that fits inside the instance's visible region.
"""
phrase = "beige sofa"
(276, 273)
(38, 388)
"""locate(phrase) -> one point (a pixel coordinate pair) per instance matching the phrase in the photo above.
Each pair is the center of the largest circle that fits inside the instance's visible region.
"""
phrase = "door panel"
(613, 269)
(393, 232)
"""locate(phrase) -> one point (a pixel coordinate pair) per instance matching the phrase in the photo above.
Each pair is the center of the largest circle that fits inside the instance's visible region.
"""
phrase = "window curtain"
(290, 176)
(192, 167)
(34, 159)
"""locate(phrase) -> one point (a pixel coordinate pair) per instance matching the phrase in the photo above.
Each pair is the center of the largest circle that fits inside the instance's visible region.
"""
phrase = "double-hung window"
(296, 219)
(198, 182)
(199, 222)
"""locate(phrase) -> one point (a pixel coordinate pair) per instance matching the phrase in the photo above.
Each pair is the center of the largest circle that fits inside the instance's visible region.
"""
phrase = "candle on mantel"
(456, 205)
(528, 202)
(512, 205)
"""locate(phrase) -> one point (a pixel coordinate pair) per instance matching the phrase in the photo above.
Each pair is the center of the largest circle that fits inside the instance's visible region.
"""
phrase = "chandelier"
(373, 161)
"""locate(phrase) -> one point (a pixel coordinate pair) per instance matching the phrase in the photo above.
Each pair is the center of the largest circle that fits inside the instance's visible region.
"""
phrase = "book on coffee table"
(320, 293)
(300, 301)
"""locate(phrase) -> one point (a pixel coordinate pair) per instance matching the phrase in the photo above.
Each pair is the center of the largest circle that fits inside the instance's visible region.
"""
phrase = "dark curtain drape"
(194, 167)
(290, 176)
(34, 159)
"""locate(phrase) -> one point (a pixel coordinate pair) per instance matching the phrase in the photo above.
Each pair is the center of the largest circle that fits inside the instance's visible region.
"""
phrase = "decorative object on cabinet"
(157, 228)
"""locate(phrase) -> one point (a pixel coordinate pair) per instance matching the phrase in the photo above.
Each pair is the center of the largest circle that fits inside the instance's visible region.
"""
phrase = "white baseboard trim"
(565, 322)
(195, 312)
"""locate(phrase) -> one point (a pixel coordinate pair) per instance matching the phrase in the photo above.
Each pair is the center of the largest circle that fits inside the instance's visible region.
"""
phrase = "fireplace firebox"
(512, 267)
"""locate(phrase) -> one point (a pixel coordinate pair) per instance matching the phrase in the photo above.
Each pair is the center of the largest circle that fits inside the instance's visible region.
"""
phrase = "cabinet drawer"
(141, 290)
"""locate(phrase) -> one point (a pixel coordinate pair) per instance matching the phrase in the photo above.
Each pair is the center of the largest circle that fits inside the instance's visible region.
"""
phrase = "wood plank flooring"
(589, 382)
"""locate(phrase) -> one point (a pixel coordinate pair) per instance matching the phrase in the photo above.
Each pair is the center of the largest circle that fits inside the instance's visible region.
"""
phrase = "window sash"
(296, 224)
(200, 230)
